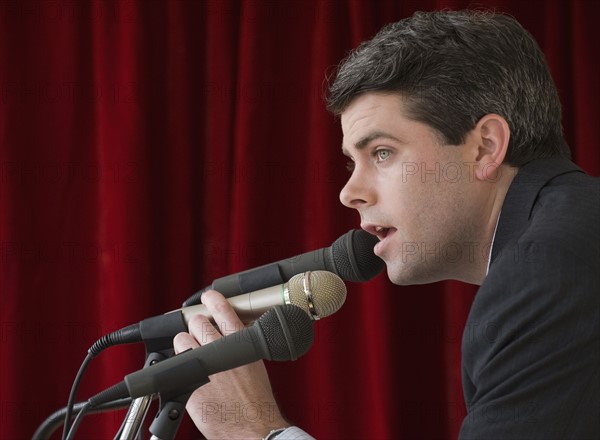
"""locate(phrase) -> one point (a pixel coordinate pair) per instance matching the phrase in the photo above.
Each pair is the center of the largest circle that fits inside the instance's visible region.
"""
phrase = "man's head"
(438, 112)
(453, 68)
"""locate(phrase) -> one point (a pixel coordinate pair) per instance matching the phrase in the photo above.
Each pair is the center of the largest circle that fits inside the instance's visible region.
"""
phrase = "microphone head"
(318, 293)
(288, 332)
(353, 256)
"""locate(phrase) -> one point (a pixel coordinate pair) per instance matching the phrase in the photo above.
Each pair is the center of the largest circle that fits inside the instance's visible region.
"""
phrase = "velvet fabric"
(148, 147)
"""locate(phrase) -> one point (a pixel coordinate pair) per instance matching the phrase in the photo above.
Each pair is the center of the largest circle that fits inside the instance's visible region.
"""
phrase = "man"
(452, 125)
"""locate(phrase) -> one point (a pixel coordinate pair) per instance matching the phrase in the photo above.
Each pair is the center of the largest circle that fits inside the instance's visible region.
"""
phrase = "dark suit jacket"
(531, 344)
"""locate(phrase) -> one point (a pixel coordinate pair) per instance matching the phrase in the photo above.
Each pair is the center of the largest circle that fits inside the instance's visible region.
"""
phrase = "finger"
(222, 312)
(183, 342)
(203, 330)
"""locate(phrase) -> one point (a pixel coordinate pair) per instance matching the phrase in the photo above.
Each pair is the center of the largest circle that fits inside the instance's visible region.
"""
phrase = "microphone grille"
(327, 289)
(353, 256)
(288, 332)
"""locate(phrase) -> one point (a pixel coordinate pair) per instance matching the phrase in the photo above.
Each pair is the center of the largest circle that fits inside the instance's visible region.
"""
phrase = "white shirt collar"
(492, 245)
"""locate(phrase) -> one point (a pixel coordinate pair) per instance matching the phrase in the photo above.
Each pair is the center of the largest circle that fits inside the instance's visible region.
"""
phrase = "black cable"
(56, 419)
(73, 393)
(78, 420)
(125, 335)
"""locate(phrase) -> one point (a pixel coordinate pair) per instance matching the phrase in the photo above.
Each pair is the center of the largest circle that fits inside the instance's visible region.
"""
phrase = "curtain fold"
(148, 147)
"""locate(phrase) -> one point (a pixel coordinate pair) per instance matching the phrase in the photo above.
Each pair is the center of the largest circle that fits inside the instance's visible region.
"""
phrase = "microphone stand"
(157, 336)
(173, 398)
(134, 419)
(171, 405)
(169, 417)
(170, 412)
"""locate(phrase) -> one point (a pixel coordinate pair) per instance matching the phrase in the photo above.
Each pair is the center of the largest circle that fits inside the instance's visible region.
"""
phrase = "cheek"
(408, 202)
(424, 208)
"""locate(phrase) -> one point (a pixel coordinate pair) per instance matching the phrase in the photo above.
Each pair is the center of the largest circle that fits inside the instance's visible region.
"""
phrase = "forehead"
(370, 109)
(381, 115)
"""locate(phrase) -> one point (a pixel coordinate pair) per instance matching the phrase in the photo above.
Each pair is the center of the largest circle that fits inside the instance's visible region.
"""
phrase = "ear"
(491, 136)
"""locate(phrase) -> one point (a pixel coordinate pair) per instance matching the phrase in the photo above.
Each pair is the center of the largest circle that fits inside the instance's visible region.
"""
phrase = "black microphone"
(351, 257)
(318, 294)
(283, 333)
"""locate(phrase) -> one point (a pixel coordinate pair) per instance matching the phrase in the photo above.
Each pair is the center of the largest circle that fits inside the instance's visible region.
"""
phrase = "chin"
(407, 275)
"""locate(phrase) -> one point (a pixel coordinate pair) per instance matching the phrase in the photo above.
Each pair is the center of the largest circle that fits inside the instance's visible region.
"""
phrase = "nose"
(357, 193)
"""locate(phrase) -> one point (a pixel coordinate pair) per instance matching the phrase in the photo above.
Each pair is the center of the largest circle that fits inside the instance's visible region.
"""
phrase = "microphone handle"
(248, 307)
(190, 369)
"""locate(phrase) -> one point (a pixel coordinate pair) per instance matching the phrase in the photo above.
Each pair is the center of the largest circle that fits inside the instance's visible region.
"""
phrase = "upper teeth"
(378, 228)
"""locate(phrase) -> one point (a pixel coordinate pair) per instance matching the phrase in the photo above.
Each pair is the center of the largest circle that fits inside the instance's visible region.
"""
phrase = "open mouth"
(380, 232)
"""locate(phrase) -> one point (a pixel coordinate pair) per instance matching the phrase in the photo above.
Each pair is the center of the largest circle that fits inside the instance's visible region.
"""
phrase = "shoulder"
(555, 257)
(542, 290)
(530, 341)
(563, 225)
(568, 209)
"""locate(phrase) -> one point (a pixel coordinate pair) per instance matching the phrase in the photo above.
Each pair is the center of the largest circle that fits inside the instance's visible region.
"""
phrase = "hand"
(235, 404)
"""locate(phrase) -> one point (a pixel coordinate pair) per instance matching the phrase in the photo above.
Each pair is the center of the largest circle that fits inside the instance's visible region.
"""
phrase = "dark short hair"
(451, 68)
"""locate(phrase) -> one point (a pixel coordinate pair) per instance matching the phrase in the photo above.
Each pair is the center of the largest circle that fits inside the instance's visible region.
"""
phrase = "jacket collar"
(521, 197)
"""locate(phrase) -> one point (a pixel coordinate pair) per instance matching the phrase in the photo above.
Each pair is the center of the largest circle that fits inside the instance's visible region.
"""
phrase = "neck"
(494, 197)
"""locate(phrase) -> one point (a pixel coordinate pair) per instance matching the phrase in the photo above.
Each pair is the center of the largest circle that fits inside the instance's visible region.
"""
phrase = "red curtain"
(148, 147)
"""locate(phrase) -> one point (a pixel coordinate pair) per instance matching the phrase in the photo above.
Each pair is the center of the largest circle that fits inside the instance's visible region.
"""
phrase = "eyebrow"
(366, 140)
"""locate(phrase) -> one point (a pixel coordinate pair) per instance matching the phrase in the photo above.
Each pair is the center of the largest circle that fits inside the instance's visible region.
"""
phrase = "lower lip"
(379, 247)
